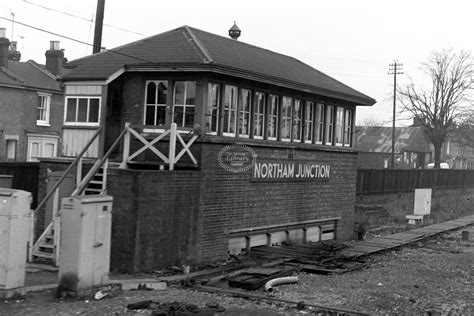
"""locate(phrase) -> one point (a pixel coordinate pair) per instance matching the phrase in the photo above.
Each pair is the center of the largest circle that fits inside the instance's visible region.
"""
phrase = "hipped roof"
(187, 48)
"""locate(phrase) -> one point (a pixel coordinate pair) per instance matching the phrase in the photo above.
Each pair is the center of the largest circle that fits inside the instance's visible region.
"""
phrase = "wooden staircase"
(45, 249)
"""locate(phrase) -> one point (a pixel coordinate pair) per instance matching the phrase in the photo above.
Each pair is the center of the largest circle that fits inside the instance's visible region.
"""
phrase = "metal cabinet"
(84, 250)
(15, 232)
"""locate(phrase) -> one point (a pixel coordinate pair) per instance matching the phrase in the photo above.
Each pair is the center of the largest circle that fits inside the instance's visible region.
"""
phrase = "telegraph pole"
(99, 21)
(394, 69)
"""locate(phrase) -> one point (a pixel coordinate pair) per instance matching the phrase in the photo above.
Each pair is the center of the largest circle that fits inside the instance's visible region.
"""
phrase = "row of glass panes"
(297, 120)
(246, 114)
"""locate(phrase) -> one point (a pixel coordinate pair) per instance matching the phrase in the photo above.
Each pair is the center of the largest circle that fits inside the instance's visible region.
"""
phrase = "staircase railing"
(55, 191)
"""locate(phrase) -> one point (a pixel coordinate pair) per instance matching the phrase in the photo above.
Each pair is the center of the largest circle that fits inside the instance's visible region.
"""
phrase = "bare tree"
(370, 121)
(445, 103)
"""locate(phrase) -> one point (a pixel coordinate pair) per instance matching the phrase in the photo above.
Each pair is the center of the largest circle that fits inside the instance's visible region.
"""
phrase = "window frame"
(308, 126)
(348, 127)
(286, 119)
(259, 104)
(297, 121)
(78, 97)
(329, 125)
(156, 105)
(319, 124)
(213, 111)
(184, 106)
(230, 110)
(245, 113)
(339, 126)
(273, 116)
(44, 99)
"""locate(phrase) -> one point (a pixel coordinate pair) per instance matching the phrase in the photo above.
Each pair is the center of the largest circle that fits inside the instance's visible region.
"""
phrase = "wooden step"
(47, 255)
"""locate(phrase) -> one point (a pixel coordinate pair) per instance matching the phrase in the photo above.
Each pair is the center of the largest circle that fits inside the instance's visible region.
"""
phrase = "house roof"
(378, 139)
(189, 48)
(28, 74)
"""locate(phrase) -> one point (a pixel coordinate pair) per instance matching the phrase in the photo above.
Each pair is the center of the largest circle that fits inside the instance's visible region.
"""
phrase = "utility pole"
(99, 22)
(394, 69)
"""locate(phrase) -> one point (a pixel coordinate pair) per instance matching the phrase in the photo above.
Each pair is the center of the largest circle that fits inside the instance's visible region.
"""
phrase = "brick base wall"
(162, 218)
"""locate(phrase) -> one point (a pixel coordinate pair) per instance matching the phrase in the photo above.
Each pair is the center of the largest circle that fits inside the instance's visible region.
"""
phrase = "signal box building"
(264, 152)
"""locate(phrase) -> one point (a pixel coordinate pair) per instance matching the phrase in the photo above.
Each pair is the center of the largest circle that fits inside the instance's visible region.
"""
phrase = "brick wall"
(169, 217)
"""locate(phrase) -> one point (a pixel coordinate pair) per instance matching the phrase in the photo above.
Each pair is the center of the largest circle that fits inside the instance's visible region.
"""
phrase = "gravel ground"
(434, 275)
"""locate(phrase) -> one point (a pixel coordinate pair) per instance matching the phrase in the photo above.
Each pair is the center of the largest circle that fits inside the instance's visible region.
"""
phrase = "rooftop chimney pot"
(3, 32)
(54, 45)
(234, 32)
(4, 45)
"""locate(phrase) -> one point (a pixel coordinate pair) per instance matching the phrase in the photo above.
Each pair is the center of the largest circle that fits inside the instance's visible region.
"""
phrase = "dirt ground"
(434, 276)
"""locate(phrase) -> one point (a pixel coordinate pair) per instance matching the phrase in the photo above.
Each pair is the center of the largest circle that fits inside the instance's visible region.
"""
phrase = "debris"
(139, 305)
(278, 281)
(100, 295)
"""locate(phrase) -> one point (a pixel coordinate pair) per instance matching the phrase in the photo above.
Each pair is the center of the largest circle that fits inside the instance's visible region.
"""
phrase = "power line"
(75, 40)
(81, 18)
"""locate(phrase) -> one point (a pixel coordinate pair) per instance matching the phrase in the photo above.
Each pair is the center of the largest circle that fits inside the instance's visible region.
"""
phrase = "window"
(214, 103)
(44, 104)
(230, 111)
(339, 126)
(82, 110)
(273, 117)
(259, 115)
(348, 128)
(41, 146)
(297, 117)
(184, 103)
(245, 100)
(11, 149)
(286, 119)
(319, 123)
(329, 125)
(155, 106)
(308, 122)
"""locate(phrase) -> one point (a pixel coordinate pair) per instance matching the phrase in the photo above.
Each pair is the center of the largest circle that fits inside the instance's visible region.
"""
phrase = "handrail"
(97, 165)
(66, 172)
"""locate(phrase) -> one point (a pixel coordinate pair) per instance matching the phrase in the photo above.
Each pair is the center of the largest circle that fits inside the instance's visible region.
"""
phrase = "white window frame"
(231, 94)
(273, 115)
(339, 128)
(245, 98)
(297, 133)
(44, 107)
(42, 141)
(184, 106)
(286, 117)
(348, 121)
(77, 97)
(319, 123)
(308, 133)
(259, 114)
(156, 105)
(213, 110)
(329, 125)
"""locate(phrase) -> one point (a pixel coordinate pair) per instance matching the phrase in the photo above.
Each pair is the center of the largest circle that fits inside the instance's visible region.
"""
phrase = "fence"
(25, 177)
(398, 180)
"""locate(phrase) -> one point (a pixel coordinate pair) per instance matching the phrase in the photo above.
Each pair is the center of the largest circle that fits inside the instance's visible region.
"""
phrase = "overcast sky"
(352, 41)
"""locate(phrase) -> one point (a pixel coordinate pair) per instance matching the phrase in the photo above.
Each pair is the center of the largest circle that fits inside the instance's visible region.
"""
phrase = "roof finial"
(234, 31)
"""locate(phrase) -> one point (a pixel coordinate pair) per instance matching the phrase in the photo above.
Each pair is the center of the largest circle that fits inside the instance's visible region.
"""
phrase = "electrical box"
(422, 204)
(15, 232)
(84, 250)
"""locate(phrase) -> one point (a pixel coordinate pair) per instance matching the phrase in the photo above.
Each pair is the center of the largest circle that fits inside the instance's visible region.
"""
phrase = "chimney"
(13, 54)
(4, 44)
(54, 58)
(234, 32)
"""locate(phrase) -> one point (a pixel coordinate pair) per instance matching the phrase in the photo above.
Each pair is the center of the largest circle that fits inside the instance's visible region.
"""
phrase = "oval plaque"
(236, 158)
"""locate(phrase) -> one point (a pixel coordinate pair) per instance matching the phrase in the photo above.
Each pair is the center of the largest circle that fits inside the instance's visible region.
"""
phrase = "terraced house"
(227, 146)
(31, 104)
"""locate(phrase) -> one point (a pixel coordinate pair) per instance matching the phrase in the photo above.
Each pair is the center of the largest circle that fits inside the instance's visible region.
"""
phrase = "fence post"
(126, 146)
(172, 149)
